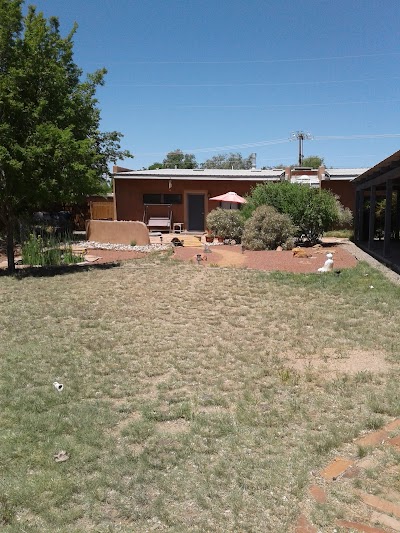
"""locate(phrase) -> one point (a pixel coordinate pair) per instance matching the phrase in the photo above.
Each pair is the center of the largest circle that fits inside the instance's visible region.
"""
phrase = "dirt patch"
(330, 364)
(173, 426)
(108, 256)
(232, 256)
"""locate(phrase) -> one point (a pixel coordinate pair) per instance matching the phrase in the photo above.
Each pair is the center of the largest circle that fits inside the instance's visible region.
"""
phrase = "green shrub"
(267, 229)
(313, 211)
(226, 223)
(345, 217)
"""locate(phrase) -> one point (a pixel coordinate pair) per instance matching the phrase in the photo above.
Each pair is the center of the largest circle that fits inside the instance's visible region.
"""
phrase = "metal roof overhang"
(201, 178)
(387, 169)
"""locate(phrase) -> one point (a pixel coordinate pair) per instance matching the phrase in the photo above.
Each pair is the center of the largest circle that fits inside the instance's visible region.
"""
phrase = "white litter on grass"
(371, 286)
(58, 386)
(328, 265)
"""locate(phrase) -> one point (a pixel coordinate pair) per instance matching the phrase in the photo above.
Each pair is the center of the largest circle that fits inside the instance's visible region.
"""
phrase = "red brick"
(394, 442)
(381, 505)
(359, 527)
(304, 526)
(392, 425)
(336, 468)
(317, 493)
(386, 520)
(373, 439)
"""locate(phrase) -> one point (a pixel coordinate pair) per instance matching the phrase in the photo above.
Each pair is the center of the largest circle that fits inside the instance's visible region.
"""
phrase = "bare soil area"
(268, 260)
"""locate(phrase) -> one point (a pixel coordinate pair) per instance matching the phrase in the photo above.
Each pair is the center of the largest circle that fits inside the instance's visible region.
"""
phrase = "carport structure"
(377, 212)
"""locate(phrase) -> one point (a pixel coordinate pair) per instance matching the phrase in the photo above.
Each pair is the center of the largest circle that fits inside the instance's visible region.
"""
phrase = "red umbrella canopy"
(231, 197)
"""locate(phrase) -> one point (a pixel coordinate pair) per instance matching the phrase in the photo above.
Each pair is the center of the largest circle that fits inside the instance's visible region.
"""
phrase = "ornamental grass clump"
(51, 252)
(267, 229)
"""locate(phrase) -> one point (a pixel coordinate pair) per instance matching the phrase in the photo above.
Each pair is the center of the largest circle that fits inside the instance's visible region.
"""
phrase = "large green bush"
(226, 223)
(267, 229)
(313, 211)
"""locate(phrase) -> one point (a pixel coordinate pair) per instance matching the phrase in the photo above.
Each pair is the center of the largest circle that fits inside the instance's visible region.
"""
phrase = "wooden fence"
(102, 210)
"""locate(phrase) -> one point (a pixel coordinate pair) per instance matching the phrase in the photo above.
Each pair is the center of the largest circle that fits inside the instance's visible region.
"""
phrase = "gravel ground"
(121, 247)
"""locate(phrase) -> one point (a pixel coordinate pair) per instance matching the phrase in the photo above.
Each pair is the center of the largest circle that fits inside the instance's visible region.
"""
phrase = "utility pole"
(301, 137)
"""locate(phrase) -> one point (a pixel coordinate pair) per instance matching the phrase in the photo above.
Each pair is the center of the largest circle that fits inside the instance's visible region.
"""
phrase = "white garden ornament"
(328, 265)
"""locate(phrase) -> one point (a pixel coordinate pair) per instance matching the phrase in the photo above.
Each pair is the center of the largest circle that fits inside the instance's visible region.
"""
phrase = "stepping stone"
(381, 505)
(392, 425)
(386, 520)
(336, 468)
(373, 439)
(394, 442)
(359, 527)
(304, 526)
(317, 493)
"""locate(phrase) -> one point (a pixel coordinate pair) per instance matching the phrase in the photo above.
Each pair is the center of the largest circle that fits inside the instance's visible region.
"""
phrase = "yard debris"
(61, 456)
(58, 386)
(371, 286)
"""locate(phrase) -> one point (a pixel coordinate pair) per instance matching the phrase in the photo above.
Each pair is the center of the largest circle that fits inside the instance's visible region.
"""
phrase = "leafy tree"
(313, 161)
(51, 149)
(177, 159)
(230, 161)
(313, 211)
(155, 166)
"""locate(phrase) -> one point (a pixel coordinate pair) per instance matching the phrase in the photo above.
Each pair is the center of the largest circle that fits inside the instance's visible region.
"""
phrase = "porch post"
(397, 218)
(372, 209)
(359, 214)
(388, 218)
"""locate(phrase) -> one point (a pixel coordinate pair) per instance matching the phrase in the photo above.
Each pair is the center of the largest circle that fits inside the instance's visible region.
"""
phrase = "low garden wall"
(117, 232)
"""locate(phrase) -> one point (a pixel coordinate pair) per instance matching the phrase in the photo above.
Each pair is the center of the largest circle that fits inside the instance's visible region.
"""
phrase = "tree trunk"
(10, 245)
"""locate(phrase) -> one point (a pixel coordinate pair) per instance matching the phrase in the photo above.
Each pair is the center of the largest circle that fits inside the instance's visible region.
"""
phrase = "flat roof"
(202, 174)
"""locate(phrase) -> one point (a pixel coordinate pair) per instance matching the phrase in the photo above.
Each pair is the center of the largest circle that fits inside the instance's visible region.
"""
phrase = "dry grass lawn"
(194, 399)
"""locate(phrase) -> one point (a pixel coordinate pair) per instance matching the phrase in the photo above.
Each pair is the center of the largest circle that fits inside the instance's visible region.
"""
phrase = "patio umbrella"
(231, 197)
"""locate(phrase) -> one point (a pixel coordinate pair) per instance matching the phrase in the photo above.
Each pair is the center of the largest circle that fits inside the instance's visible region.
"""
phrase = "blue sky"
(208, 76)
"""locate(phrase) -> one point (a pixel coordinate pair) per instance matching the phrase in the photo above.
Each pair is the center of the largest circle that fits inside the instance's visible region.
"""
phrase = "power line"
(255, 84)
(260, 106)
(253, 61)
(275, 142)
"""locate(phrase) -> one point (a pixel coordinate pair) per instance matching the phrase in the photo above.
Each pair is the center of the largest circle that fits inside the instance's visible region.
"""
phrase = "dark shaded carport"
(379, 235)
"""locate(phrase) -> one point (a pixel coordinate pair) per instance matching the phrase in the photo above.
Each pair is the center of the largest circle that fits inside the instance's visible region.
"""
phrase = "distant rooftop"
(253, 174)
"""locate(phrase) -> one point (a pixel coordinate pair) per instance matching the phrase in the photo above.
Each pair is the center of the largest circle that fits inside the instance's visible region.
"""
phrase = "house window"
(162, 198)
(172, 198)
(152, 199)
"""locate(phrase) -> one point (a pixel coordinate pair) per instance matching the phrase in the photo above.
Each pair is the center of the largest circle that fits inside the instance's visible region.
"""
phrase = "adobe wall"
(117, 232)
(344, 189)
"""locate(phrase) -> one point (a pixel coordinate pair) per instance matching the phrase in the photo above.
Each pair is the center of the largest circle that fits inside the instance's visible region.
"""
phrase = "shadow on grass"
(58, 270)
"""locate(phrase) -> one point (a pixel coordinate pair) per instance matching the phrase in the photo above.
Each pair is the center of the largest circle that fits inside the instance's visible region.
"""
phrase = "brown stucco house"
(183, 195)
